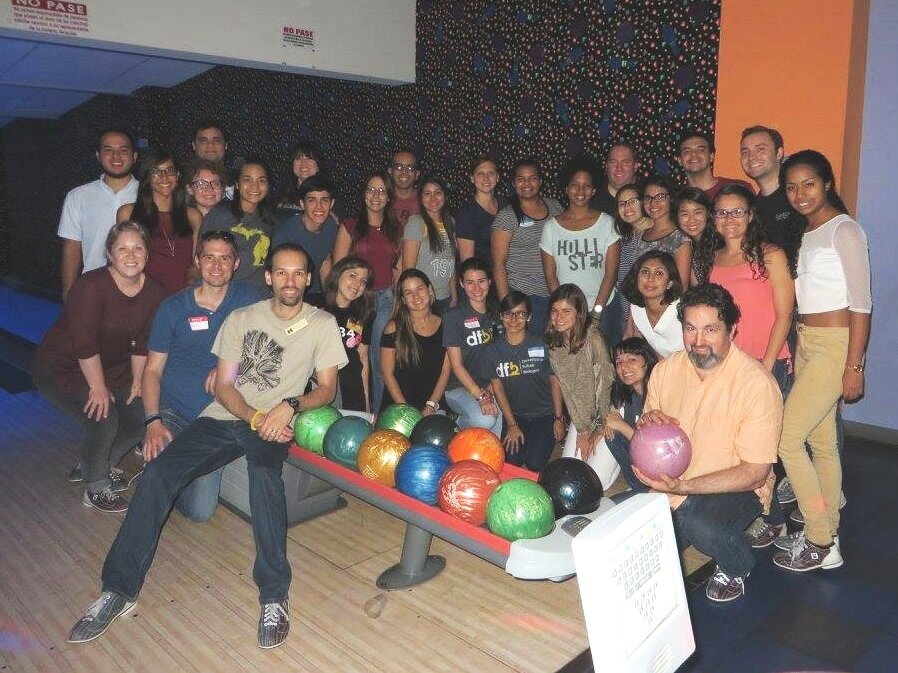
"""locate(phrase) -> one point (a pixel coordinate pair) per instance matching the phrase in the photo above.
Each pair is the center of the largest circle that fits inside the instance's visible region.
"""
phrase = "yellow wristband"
(252, 421)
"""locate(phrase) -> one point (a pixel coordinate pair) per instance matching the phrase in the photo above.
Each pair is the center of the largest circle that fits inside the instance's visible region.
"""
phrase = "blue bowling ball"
(419, 470)
(343, 439)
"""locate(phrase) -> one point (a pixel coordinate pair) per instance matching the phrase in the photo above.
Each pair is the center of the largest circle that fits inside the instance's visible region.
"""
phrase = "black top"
(474, 223)
(783, 224)
(472, 332)
(524, 370)
(417, 383)
(353, 334)
(603, 200)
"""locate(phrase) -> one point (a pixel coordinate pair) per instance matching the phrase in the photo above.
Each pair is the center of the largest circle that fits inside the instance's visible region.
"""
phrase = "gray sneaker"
(761, 534)
(117, 481)
(806, 556)
(105, 501)
(274, 625)
(784, 492)
(788, 542)
(722, 588)
(99, 616)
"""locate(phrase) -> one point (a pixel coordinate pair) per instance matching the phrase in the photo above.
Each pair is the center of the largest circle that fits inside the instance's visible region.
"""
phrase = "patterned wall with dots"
(550, 79)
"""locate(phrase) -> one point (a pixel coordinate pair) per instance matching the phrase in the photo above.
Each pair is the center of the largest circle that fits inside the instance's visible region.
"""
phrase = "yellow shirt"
(735, 415)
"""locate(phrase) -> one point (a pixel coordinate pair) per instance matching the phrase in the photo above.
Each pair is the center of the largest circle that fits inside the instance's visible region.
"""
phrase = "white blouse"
(666, 337)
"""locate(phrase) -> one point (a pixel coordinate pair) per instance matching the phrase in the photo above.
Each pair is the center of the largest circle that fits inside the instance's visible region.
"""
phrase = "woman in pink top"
(757, 274)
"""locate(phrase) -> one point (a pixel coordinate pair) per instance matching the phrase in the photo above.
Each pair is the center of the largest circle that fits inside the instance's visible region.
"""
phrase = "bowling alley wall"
(513, 77)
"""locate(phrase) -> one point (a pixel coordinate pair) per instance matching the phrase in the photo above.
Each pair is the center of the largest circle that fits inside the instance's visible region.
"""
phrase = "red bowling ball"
(465, 488)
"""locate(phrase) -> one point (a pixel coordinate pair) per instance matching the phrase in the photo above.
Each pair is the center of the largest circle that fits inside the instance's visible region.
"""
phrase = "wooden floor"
(199, 608)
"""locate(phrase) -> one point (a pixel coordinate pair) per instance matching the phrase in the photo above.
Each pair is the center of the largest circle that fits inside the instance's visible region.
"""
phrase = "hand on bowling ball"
(513, 439)
(663, 484)
(427, 410)
(275, 425)
(655, 416)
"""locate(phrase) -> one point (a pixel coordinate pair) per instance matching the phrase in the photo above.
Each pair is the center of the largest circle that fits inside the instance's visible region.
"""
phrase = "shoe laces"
(106, 494)
(97, 606)
(720, 577)
(271, 614)
(801, 543)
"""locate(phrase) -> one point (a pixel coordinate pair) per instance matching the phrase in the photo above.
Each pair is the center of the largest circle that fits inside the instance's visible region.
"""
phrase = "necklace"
(168, 240)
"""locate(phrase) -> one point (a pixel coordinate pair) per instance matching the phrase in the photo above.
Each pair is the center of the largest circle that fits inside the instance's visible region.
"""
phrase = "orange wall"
(797, 66)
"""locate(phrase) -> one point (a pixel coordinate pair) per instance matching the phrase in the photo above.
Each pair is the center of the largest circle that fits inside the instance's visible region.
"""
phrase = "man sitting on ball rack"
(729, 406)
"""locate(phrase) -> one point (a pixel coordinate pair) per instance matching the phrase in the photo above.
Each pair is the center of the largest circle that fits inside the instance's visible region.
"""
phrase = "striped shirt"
(524, 264)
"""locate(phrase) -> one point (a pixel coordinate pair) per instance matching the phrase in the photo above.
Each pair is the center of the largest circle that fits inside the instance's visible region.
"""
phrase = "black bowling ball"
(435, 430)
(573, 486)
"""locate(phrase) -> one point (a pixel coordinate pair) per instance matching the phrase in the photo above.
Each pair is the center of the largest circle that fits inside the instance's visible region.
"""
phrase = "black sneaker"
(722, 588)
(274, 625)
(761, 534)
(105, 501)
(117, 481)
(76, 476)
(99, 616)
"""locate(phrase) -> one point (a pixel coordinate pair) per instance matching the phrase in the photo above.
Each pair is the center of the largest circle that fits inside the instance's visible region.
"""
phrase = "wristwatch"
(294, 404)
(597, 310)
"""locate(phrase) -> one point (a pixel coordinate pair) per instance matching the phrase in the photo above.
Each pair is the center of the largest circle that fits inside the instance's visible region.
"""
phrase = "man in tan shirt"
(729, 406)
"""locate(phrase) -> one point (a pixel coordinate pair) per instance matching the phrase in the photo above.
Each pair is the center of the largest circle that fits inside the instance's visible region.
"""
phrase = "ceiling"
(44, 81)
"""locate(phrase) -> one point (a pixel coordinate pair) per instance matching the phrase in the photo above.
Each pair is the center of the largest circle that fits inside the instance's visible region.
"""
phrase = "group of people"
(207, 315)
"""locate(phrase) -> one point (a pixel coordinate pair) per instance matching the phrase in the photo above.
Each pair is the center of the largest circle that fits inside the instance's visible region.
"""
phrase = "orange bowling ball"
(380, 453)
(477, 444)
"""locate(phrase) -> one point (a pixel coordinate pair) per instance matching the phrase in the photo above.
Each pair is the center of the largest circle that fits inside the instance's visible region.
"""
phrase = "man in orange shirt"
(731, 409)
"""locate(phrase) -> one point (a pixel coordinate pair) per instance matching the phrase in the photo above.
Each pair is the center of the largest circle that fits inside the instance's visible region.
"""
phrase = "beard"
(707, 360)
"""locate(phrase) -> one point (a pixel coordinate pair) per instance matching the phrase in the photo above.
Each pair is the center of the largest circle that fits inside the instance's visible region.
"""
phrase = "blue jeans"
(619, 446)
(539, 320)
(610, 322)
(204, 446)
(383, 305)
(538, 443)
(469, 414)
(199, 499)
(715, 525)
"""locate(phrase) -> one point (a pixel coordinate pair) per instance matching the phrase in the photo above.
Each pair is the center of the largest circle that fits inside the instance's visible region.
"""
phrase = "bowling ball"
(520, 509)
(399, 417)
(573, 485)
(311, 425)
(343, 439)
(465, 488)
(477, 444)
(436, 430)
(380, 453)
(419, 470)
(660, 448)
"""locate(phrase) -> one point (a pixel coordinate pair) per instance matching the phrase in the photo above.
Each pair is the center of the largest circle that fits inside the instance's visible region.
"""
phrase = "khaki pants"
(810, 415)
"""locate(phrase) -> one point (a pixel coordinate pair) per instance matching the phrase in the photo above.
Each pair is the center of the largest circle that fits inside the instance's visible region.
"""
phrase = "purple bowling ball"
(660, 448)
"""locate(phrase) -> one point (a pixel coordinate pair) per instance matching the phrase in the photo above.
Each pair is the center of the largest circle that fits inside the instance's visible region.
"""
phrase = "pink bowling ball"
(660, 448)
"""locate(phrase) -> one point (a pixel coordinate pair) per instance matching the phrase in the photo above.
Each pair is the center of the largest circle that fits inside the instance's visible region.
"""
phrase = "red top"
(170, 256)
(753, 295)
(405, 208)
(99, 319)
(376, 249)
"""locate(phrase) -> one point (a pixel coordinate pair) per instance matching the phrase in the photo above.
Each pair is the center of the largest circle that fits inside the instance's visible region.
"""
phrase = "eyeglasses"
(206, 184)
(628, 202)
(515, 315)
(734, 213)
(170, 171)
(375, 191)
(660, 196)
(219, 234)
(404, 167)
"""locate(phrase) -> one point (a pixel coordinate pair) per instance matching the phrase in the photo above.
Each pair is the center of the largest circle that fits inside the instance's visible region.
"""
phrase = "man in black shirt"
(620, 170)
(761, 152)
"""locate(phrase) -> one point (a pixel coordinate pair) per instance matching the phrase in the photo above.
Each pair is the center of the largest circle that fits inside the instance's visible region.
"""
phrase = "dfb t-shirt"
(472, 332)
(524, 371)
(277, 357)
(580, 255)
(185, 331)
(317, 243)
(253, 237)
(473, 223)
(783, 224)
(354, 334)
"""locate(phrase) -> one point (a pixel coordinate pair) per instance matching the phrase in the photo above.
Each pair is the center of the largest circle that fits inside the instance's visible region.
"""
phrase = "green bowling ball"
(311, 425)
(399, 417)
(343, 439)
(520, 509)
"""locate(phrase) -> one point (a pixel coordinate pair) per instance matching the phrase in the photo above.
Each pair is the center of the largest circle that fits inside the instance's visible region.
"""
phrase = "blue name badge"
(527, 222)
(536, 352)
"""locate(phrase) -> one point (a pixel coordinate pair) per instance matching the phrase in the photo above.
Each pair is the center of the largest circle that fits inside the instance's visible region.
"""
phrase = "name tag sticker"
(198, 323)
(536, 352)
(295, 327)
(472, 323)
(527, 222)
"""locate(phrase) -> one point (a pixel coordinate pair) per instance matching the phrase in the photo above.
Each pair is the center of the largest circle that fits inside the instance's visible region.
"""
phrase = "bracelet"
(482, 396)
(856, 368)
(433, 405)
(152, 418)
(252, 421)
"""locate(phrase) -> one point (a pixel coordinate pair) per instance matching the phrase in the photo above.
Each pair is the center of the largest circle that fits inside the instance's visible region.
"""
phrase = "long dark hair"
(291, 185)
(575, 297)
(630, 286)
(359, 308)
(434, 240)
(492, 299)
(621, 392)
(666, 183)
(145, 210)
(408, 350)
(701, 266)
(753, 245)
(264, 210)
(389, 227)
(820, 165)
(621, 226)
(513, 199)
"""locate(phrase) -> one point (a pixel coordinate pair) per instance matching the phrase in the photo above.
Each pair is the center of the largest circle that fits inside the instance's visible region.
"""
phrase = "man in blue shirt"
(180, 374)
